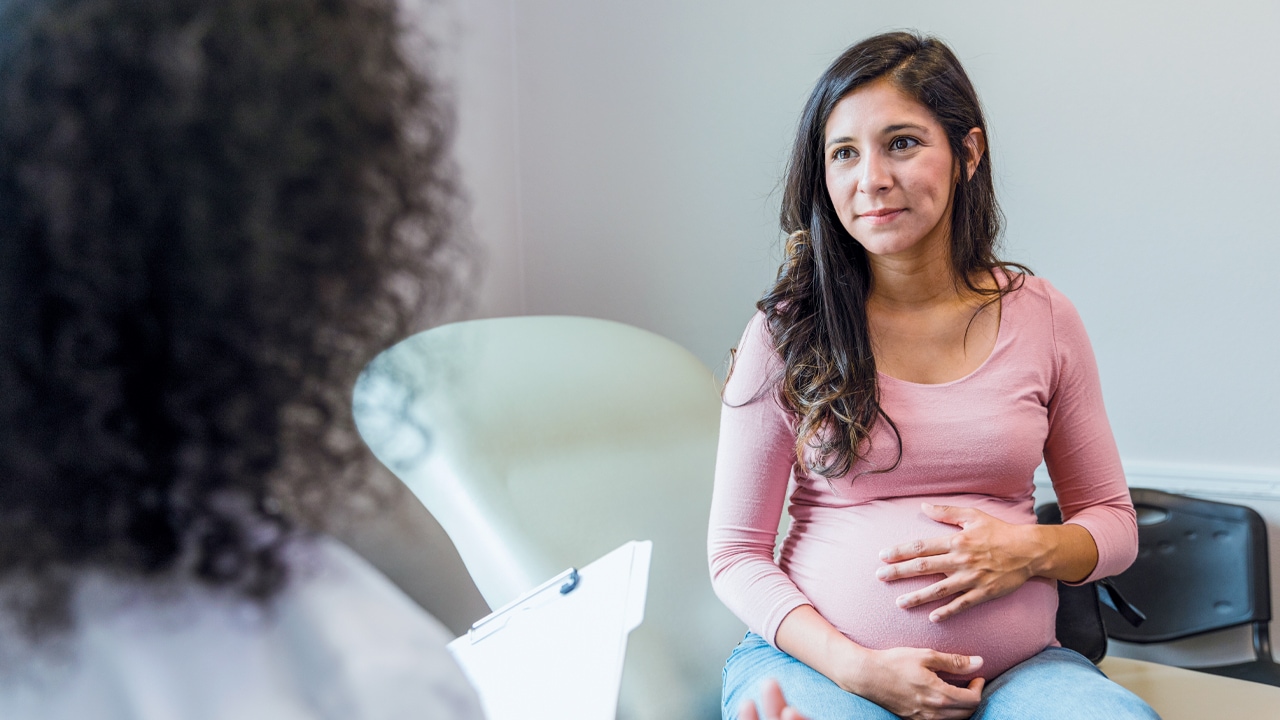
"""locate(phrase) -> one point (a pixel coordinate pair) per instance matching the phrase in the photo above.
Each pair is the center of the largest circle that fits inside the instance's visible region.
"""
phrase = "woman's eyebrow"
(903, 126)
(837, 141)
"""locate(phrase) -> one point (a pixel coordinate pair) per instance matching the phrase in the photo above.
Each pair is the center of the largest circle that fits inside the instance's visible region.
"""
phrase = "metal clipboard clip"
(564, 583)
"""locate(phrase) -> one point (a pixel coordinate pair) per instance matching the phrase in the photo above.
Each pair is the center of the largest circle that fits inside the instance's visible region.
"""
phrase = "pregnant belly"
(832, 555)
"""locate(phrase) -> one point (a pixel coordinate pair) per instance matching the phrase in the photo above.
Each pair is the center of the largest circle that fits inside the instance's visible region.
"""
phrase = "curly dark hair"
(212, 213)
(817, 308)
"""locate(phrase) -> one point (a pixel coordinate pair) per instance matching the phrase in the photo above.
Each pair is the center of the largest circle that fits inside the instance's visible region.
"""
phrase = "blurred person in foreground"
(212, 214)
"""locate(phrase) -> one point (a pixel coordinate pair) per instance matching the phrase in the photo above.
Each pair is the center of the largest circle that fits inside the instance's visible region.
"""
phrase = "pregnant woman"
(899, 385)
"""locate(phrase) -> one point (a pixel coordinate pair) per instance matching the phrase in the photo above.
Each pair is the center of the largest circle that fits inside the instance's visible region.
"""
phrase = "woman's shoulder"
(757, 332)
(755, 349)
(1037, 294)
(382, 646)
(339, 641)
(1038, 307)
(754, 362)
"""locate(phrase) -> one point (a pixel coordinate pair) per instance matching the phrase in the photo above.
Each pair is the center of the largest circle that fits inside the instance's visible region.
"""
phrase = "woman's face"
(890, 172)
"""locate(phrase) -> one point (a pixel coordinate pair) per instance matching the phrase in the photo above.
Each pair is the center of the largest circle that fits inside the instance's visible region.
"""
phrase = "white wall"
(624, 162)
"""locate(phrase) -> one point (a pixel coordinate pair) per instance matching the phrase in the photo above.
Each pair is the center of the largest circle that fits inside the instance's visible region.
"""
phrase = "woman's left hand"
(987, 559)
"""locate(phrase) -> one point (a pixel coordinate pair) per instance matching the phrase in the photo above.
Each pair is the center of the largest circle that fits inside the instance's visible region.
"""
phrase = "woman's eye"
(903, 143)
(843, 153)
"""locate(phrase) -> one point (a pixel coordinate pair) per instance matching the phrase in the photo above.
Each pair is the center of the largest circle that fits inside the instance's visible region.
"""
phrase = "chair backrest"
(1201, 567)
(541, 443)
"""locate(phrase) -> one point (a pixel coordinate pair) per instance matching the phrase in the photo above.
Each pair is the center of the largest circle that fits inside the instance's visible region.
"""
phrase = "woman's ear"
(975, 145)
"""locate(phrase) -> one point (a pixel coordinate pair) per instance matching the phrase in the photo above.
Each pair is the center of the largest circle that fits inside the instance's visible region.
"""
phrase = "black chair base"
(1259, 671)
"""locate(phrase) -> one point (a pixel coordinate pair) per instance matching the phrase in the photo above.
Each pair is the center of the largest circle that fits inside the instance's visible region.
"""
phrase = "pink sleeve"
(1080, 451)
(753, 467)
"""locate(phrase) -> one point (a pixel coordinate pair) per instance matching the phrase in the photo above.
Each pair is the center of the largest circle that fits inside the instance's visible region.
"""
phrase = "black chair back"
(1201, 567)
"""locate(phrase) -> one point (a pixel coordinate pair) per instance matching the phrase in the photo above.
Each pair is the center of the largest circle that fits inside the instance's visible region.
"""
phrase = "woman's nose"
(875, 175)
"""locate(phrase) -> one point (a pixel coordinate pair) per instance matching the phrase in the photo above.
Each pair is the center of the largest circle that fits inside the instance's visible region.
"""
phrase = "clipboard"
(557, 651)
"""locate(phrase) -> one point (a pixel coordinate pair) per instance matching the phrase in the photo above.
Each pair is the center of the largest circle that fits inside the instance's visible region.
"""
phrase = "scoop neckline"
(995, 347)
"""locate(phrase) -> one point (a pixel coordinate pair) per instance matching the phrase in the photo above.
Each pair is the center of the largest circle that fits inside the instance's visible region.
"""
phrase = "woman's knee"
(1059, 683)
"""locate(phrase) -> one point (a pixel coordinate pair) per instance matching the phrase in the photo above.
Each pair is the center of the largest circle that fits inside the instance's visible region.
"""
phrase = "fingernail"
(975, 660)
(882, 573)
(902, 602)
(935, 617)
(884, 554)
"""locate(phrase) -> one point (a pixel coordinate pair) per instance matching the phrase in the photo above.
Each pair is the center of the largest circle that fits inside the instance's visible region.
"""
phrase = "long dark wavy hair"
(817, 309)
(212, 213)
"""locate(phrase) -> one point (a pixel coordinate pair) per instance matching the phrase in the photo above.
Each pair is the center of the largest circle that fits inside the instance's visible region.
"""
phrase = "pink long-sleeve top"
(972, 442)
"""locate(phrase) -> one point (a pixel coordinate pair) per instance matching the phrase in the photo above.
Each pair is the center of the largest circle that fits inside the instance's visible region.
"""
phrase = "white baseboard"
(1218, 481)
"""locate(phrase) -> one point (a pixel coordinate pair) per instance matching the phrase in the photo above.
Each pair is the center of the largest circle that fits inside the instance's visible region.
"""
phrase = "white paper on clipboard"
(550, 654)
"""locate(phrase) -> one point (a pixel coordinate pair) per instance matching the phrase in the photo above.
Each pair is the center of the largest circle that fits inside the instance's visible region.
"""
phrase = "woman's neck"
(915, 281)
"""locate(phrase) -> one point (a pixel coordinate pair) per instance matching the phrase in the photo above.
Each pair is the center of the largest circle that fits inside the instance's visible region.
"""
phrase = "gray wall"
(623, 160)
(1135, 144)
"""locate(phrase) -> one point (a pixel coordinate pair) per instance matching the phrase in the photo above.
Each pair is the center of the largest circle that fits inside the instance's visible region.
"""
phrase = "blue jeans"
(1055, 684)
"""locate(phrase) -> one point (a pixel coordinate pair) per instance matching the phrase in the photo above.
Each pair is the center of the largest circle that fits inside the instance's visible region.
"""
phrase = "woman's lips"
(881, 217)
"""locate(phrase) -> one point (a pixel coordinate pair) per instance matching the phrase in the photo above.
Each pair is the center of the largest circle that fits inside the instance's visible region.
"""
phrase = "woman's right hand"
(905, 682)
